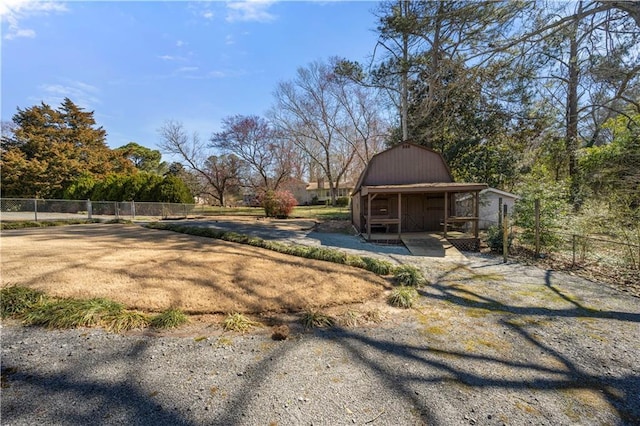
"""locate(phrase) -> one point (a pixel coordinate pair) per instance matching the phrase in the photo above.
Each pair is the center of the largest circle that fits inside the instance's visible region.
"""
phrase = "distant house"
(319, 191)
(409, 188)
(298, 189)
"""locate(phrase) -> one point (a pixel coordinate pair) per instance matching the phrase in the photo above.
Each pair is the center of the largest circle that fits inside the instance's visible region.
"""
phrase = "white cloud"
(228, 40)
(180, 43)
(187, 69)
(82, 94)
(14, 12)
(250, 10)
(19, 32)
(203, 9)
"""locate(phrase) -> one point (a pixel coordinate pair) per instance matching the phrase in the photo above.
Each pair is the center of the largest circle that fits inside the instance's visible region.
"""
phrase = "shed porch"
(394, 210)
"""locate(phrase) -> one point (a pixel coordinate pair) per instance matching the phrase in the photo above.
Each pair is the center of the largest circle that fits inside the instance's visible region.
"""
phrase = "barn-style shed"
(409, 188)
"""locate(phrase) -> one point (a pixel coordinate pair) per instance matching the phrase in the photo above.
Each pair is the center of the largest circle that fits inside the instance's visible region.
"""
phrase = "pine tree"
(51, 148)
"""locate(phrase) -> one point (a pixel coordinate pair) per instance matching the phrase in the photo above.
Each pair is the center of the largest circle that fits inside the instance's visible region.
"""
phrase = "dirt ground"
(153, 270)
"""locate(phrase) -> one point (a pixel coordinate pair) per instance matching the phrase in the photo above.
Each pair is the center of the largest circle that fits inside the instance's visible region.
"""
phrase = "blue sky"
(137, 64)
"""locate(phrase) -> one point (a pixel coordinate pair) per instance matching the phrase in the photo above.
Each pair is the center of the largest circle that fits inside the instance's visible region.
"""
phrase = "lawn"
(154, 270)
(305, 212)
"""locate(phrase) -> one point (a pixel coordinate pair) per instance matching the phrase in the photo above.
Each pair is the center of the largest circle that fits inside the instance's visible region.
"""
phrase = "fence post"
(499, 212)
(573, 249)
(89, 209)
(505, 234)
(184, 206)
(35, 208)
(115, 209)
(536, 204)
(133, 210)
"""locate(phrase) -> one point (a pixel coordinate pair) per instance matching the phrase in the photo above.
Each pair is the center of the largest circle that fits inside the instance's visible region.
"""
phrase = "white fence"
(41, 209)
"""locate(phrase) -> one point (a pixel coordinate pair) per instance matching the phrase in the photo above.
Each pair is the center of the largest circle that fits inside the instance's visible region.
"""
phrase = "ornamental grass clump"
(403, 297)
(377, 266)
(15, 300)
(316, 319)
(238, 322)
(170, 318)
(126, 320)
(355, 261)
(408, 275)
(70, 313)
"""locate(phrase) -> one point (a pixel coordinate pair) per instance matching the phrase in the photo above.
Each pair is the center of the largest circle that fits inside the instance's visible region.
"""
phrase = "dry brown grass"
(154, 270)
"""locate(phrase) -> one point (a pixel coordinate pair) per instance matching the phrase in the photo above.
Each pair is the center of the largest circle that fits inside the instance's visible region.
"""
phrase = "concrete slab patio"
(431, 245)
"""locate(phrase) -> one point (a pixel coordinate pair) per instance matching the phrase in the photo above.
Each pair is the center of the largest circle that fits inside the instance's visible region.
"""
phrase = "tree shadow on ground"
(120, 400)
(416, 368)
(414, 372)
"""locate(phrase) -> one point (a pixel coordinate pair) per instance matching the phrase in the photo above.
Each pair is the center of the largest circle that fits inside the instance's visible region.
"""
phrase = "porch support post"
(446, 212)
(399, 214)
(369, 217)
(476, 213)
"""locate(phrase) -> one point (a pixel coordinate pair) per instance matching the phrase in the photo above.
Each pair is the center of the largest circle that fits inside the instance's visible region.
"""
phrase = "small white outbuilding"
(490, 206)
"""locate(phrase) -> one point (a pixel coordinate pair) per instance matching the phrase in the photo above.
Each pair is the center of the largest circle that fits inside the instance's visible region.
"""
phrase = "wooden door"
(434, 212)
(413, 213)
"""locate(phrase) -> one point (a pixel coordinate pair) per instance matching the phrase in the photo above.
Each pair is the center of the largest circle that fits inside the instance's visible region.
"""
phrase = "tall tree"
(217, 175)
(331, 120)
(612, 171)
(224, 173)
(143, 158)
(51, 148)
(587, 72)
(252, 139)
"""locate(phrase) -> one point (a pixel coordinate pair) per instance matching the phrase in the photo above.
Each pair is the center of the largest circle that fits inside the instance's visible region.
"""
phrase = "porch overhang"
(418, 188)
(446, 188)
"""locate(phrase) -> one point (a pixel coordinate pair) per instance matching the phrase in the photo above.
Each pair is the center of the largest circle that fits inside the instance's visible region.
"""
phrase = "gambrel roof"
(405, 164)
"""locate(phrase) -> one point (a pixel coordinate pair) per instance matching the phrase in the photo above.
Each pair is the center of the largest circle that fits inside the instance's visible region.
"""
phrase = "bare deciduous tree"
(253, 140)
(329, 118)
(219, 175)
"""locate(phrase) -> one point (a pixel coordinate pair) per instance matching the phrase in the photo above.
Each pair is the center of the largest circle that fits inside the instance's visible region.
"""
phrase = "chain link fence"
(19, 209)
(614, 261)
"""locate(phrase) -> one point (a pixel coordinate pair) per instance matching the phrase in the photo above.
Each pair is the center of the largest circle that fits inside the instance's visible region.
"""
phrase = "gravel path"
(488, 344)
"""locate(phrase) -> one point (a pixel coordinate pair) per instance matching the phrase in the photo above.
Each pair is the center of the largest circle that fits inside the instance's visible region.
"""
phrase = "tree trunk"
(404, 66)
(571, 141)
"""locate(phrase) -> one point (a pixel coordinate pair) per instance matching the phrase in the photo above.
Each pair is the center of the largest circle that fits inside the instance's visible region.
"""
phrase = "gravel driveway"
(488, 344)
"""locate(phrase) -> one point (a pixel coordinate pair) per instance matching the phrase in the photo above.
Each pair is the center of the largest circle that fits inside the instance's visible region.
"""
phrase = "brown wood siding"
(356, 211)
(422, 212)
(406, 164)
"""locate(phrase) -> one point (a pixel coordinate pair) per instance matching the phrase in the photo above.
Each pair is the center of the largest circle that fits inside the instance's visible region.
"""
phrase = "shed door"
(434, 212)
(413, 213)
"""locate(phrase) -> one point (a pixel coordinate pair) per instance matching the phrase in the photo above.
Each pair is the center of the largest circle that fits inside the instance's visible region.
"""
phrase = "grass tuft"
(126, 320)
(373, 315)
(403, 297)
(316, 319)
(15, 300)
(355, 261)
(170, 318)
(377, 266)
(238, 322)
(70, 313)
(408, 275)
(36, 308)
(350, 319)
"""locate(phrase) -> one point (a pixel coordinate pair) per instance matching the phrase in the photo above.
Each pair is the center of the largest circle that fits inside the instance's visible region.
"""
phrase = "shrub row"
(32, 224)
